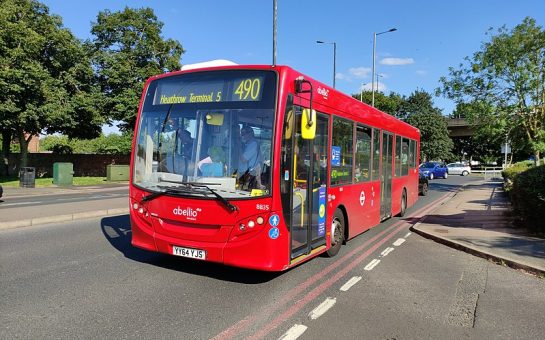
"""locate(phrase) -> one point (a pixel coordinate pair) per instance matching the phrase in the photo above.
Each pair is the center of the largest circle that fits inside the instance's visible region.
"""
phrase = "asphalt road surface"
(84, 280)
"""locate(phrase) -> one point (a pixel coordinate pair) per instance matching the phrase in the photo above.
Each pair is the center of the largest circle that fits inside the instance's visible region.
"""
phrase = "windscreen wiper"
(187, 190)
(167, 191)
(220, 198)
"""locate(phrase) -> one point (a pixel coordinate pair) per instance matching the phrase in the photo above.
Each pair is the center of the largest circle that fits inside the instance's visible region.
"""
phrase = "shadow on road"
(117, 230)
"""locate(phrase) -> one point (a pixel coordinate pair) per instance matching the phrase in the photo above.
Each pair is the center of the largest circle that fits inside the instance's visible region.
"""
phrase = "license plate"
(189, 252)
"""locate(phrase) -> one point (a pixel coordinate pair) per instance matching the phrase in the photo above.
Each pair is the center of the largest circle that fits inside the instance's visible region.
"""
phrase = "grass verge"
(48, 181)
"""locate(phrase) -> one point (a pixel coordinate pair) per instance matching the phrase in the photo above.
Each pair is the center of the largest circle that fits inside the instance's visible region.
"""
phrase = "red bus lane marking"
(313, 294)
(243, 325)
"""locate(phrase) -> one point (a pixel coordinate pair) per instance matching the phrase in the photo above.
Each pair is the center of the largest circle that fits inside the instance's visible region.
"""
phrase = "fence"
(490, 172)
(84, 164)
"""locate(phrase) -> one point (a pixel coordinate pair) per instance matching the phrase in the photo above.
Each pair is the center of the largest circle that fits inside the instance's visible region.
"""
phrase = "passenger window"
(363, 154)
(341, 151)
(404, 157)
(398, 157)
(376, 154)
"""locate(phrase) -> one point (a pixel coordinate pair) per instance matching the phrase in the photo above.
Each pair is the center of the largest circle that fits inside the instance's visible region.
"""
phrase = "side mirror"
(308, 124)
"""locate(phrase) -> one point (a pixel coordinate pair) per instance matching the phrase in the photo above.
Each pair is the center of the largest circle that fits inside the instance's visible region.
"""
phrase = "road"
(84, 280)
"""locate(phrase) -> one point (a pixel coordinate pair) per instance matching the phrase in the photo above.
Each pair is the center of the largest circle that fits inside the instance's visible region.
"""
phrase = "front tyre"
(337, 233)
(445, 176)
(431, 175)
(465, 173)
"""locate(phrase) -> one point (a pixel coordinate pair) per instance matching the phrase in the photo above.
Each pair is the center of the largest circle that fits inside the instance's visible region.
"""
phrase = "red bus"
(262, 167)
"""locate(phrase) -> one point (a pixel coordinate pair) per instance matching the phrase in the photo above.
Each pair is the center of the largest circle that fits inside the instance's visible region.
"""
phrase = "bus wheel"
(403, 204)
(337, 233)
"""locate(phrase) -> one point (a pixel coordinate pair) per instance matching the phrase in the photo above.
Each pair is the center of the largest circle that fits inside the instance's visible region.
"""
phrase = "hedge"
(510, 173)
(528, 198)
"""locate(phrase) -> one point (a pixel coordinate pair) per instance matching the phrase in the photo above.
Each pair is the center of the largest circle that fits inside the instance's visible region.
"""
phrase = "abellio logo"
(323, 92)
(188, 212)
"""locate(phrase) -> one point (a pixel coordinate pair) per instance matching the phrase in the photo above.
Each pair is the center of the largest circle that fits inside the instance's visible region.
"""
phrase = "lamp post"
(374, 53)
(334, 56)
(378, 75)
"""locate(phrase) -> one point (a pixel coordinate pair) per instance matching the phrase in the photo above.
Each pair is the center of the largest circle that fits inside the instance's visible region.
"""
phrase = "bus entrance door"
(302, 166)
(386, 176)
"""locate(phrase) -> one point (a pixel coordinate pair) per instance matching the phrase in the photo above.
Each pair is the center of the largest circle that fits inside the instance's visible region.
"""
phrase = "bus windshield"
(208, 128)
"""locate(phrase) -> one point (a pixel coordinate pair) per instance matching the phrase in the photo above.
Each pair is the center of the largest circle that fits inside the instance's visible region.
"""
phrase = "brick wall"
(84, 164)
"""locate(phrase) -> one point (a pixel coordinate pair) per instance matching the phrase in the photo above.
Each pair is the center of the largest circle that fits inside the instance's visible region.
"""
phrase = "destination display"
(177, 91)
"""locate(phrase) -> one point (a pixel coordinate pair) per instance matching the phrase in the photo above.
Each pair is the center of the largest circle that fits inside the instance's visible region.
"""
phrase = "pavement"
(23, 207)
(476, 219)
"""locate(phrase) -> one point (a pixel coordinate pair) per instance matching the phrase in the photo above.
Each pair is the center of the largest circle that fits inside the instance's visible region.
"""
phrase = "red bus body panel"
(169, 221)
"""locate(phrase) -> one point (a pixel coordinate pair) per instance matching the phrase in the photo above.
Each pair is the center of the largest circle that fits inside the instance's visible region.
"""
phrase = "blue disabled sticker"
(274, 232)
(274, 220)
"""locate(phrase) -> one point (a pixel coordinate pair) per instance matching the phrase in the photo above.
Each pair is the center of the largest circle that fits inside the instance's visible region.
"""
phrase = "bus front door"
(386, 176)
(304, 173)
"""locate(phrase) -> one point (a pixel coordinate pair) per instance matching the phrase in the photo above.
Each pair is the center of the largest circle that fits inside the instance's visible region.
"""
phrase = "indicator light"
(260, 220)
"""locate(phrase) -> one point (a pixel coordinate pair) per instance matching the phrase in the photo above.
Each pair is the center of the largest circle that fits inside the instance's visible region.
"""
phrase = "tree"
(418, 110)
(45, 76)
(508, 75)
(127, 49)
(389, 104)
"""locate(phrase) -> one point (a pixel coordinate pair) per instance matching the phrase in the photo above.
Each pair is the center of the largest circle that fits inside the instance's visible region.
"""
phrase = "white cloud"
(380, 86)
(342, 76)
(397, 61)
(360, 72)
(422, 72)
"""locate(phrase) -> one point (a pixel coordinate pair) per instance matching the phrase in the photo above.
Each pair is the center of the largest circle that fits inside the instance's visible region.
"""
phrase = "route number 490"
(248, 88)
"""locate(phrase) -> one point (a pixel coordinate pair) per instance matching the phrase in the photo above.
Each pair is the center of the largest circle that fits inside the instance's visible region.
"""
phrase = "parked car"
(422, 185)
(434, 170)
(458, 169)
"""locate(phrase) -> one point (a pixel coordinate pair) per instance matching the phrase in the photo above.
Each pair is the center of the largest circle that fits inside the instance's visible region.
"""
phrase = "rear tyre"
(425, 188)
(465, 173)
(337, 233)
(403, 204)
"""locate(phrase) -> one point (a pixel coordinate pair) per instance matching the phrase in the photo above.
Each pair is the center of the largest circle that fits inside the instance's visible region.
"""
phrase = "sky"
(431, 35)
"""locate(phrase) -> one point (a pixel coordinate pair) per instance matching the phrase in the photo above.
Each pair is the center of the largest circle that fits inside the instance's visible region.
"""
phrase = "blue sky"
(431, 35)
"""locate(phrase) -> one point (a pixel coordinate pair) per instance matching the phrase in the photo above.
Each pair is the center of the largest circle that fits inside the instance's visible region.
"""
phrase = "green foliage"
(110, 144)
(513, 171)
(503, 85)
(528, 197)
(418, 110)
(45, 76)
(389, 104)
(127, 49)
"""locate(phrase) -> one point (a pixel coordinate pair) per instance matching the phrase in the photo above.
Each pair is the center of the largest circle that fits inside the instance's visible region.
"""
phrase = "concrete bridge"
(459, 127)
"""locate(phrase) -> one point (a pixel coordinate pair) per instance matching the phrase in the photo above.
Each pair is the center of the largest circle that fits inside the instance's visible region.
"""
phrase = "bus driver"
(249, 165)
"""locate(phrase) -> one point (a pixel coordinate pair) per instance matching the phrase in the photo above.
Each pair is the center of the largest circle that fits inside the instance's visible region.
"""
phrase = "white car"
(458, 169)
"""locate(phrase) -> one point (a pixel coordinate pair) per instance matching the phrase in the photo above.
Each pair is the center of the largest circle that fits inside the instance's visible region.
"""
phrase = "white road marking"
(372, 264)
(322, 308)
(408, 234)
(387, 251)
(21, 203)
(294, 332)
(350, 283)
(399, 242)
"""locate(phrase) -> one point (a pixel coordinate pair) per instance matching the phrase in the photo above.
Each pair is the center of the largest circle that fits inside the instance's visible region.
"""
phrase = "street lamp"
(374, 49)
(334, 56)
(378, 75)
